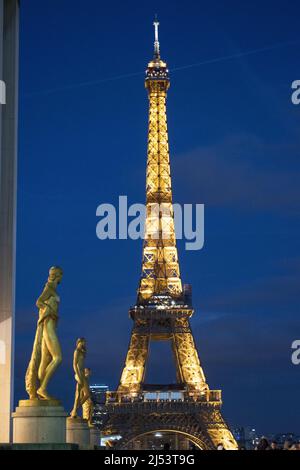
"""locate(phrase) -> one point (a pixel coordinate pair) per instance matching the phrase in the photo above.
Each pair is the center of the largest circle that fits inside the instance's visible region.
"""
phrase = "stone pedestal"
(78, 432)
(39, 422)
(94, 437)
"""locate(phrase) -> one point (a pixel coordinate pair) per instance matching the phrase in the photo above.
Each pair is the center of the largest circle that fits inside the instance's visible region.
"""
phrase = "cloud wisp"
(230, 174)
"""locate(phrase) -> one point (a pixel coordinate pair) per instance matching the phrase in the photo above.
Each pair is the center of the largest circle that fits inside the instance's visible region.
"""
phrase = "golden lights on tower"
(162, 311)
(160, 268)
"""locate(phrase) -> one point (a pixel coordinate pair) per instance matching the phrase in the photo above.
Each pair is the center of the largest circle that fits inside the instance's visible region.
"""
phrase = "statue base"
(39, 422)
(95, 437)
(38, 402)
(78, 432)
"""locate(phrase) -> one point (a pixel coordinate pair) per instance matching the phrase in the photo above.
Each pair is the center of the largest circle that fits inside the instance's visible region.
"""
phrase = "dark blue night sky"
(235, 146)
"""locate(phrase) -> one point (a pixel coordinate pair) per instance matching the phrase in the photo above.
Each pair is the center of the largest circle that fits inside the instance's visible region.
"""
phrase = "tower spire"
(156, 41)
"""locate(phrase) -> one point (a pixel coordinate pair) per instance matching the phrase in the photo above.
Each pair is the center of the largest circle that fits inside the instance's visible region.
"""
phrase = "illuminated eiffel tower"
(189, 410)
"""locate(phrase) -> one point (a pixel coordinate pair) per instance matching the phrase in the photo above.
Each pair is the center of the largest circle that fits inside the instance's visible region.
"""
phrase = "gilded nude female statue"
(46, 355)
(82, 393)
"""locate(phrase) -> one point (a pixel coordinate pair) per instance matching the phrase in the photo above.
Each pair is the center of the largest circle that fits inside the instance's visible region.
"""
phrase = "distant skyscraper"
(245, 436)
(99, 397)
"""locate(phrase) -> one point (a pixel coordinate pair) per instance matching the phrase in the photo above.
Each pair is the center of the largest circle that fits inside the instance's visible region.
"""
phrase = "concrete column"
(9, 39)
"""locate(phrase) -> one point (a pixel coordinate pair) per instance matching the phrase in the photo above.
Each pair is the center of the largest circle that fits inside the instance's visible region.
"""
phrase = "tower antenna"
(156, 41)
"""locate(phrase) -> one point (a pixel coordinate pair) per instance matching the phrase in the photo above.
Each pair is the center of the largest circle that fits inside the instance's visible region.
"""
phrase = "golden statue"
(88, 405)
(46, 354)
(82, 393)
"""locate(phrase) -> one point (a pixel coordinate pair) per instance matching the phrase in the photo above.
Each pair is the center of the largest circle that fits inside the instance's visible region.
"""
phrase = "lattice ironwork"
(161, 312)
(203, 426)
(160, 267)
(168, 327)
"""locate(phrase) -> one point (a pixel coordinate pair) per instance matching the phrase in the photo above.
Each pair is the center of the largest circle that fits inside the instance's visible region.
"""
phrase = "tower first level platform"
(182, 419)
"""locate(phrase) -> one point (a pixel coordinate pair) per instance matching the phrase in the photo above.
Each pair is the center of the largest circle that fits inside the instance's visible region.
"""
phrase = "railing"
(180, 396)
(179, 311)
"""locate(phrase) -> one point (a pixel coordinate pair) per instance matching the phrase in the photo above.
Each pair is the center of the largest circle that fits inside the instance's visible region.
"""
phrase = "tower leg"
(188, 363)
(217, 431)
(134, 369)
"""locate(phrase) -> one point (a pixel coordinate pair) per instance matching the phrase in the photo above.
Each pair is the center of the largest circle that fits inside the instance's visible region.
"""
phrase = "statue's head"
(81, 344)
(55, 274)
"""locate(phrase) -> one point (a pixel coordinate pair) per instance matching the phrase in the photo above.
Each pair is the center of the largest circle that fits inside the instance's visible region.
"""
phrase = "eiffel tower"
(188, 410)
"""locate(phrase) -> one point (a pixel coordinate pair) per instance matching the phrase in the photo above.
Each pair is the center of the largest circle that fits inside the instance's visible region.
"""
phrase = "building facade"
(99, 398)
(9, 45)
